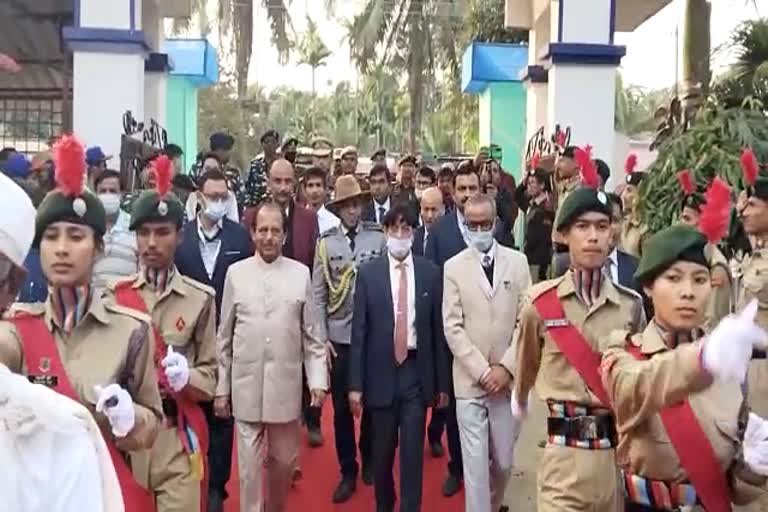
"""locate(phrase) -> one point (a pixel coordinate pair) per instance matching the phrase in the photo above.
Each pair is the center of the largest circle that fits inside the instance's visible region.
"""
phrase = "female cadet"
(92, 351)
(685, 435)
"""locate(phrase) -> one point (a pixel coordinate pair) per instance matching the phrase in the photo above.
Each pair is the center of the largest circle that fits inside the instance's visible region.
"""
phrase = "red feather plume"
(589, 176)
(686, 182)
(715, 214)
(750, 166)
(630, 163)
(535, 159)
(162, 167)
(69, 156)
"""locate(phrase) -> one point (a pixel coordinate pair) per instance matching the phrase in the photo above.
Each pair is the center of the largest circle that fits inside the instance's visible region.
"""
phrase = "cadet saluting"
(91, 350)
(686, 439)
(558, 342)
(183, 317)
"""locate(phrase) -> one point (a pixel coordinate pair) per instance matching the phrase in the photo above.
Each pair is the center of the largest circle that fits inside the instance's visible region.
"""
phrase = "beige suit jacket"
(268, 329)
(479, 319)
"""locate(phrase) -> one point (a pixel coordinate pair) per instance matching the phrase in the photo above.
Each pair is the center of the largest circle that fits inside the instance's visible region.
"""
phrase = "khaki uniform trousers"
(277, 444)
(574, 479)
(165, 469)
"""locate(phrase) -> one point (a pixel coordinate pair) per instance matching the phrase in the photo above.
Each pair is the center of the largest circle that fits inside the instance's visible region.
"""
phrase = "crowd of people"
(216, 308)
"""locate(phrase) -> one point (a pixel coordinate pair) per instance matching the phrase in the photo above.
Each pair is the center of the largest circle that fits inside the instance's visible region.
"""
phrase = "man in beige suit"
(266, 332)
(483, 291)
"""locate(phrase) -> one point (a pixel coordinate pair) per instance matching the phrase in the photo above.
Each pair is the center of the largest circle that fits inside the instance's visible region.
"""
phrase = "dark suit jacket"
(370, 206)
(235, 246)
(418, 241)
(445, 240)
(373, 370)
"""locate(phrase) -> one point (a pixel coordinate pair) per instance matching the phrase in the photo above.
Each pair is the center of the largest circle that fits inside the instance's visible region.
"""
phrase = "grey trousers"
(488, 434)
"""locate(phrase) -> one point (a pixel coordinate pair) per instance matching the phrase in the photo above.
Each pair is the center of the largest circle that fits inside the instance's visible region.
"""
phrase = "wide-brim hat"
(346, 188)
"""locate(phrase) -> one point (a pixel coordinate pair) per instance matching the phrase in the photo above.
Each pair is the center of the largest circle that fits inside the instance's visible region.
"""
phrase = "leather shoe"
(436, 449)
(451, 485)
(344, 490)
(315, 437)
(367, 474)
(504, 508)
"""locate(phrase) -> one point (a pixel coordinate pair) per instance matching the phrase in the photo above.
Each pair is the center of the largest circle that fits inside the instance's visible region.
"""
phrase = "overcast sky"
(650, 59)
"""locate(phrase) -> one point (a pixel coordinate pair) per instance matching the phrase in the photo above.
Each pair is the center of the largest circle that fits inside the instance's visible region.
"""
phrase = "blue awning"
(194, 59)
(483, 63)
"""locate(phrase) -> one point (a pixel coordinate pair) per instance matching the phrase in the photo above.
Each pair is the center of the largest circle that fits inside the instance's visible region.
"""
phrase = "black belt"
(583, 428)
(758, 354)
(170, 409)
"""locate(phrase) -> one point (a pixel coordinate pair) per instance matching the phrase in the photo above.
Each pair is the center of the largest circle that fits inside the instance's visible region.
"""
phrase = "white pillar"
(156, 83)
(536, 79)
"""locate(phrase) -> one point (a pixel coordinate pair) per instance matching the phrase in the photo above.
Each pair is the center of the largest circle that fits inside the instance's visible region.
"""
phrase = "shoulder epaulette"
(116, 283)
(628, 291)
(619, 338)
(539, 288)
(369, 225)
(112, 307)
(330, 232)
(198, 285)
(28, 308)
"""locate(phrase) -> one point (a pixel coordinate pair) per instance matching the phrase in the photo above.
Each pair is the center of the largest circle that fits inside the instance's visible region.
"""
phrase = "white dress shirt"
(209, 246)
(394, 278)
(326, 220)
(614, 266)
(377, 210)
(462, 227)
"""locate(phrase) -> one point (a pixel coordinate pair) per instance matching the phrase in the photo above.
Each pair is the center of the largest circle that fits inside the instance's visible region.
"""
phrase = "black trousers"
(220, 434)
(445, 419)
(311, 414)
(404, 418)
(344, 422)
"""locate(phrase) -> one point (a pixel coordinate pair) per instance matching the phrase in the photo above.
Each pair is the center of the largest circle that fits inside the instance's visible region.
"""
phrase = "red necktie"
(401, 319)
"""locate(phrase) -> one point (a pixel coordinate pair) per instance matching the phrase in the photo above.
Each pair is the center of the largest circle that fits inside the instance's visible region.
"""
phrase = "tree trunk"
(314, 93)
(696, 54)
(416, 65)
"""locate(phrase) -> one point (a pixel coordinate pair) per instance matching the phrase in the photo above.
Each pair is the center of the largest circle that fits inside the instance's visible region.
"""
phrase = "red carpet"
(321, 475)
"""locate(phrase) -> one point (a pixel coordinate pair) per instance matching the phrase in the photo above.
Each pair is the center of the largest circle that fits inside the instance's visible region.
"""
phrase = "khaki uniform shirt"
(111, 344)
(639, 390)
(184, 314)
(540, 361)
(633, 234)
(719, 305)
(754, 286)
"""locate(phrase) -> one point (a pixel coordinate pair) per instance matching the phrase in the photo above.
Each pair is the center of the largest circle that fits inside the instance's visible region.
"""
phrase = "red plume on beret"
(560, 138)
(535, 161)
(630, 163)
(162, 167)
(69, 156)
(686, 182)
(589, 176)
(715, 214)
(750, 166)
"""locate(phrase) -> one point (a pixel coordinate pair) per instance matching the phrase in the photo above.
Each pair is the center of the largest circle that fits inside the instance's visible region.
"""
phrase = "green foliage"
(711, 146)
(749, 75)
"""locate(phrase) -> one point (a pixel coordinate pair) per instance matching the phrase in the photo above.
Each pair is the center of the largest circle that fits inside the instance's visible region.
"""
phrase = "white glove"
(176, 369)
(121, 414)
(756, 444)
(728, 350)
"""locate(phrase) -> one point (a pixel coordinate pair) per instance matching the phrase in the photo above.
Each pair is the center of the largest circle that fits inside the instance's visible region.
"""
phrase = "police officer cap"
(581, 201)
(222, 141)
(70, 201)
(406, 159)
(270, 134)
(676, 243)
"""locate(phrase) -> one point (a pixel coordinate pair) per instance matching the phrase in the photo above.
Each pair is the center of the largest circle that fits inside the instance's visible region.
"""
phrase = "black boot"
(345, 489)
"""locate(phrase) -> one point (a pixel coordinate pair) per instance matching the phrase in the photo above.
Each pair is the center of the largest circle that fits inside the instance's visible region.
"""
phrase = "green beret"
(634, 178)
(149, 207)
(84, 209)
(581, 201)
(694, 201)
(760, 189)
(676, 243)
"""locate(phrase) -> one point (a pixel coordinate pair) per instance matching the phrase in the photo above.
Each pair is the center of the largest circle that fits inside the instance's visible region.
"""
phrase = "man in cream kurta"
(266, 332)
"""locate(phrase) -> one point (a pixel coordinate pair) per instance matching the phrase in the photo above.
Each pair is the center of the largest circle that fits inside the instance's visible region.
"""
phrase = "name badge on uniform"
(556, 322)
(46, 380)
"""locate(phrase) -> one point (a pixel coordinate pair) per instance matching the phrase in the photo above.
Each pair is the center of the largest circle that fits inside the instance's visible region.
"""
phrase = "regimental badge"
(162, 208)
(45, 364)
(180, 324)
(79, 207)
(602, 197)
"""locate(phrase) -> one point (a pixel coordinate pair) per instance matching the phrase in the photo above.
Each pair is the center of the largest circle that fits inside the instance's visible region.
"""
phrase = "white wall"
(113, 14)
(586, 21)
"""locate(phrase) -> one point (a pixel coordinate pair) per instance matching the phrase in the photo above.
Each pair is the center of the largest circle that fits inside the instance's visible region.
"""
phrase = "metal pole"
(677, 59)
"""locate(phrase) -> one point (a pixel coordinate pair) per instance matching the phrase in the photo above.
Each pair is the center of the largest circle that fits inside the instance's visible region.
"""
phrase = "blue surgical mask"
(215, 210)
(111, 203)
(481, 240)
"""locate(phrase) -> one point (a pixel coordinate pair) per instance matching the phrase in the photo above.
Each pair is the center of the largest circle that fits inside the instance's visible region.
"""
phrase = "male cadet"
(340, 252)
(557, 342)
(183, 316)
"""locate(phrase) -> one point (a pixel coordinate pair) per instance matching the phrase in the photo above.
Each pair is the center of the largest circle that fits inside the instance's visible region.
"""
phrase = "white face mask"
(399, 247)
(215, 210)
(481, 240)
(111, 203)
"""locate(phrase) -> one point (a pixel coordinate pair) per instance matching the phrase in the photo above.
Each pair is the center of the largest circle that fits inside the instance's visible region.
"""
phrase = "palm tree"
(314, 53)
(748, 76)
(696, 54)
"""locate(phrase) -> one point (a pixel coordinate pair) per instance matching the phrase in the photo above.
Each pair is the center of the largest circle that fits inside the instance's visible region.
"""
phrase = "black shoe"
(367, 474)
(436, 449)
(315, 437)
(451, 485)
(504, 508)
(344, 490)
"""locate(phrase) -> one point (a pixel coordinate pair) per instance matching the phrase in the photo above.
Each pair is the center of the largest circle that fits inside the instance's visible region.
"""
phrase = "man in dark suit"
(380, 203)
(399, 362)
(211, 243)
(447, 239)
(432, 209)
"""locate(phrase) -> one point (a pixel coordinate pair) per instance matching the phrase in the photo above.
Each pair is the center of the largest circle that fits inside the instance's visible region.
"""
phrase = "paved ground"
(521, 492)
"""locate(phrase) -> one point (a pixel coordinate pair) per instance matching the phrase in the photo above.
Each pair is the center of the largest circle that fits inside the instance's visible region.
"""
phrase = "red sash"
(190, 413)
(694, 451)
(571, 342)
(40, 349)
